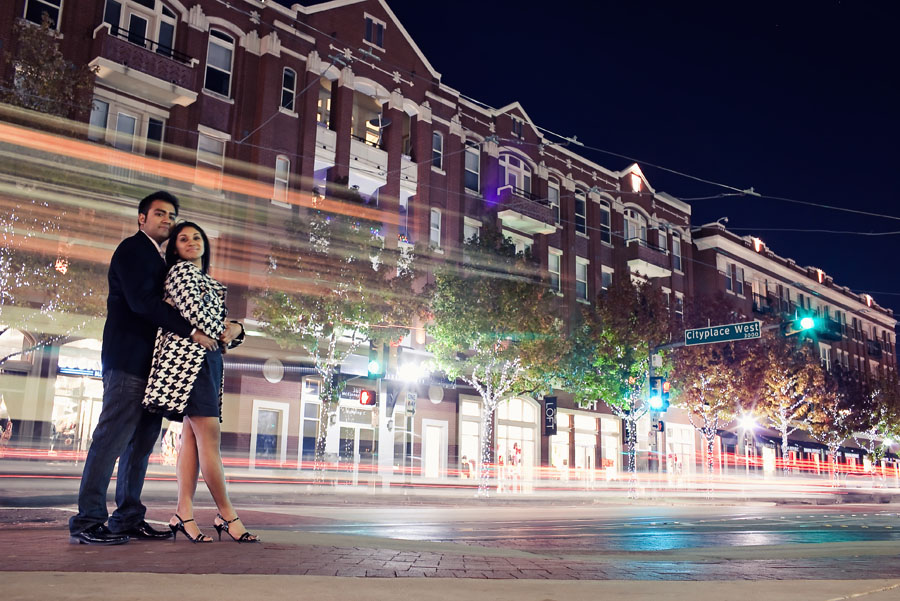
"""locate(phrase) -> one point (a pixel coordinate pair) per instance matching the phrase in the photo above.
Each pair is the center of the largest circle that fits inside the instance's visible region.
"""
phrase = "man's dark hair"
(162, 195)
(172, 253)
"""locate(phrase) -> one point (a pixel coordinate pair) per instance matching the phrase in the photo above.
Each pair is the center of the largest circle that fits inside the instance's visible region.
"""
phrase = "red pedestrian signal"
(367, 397)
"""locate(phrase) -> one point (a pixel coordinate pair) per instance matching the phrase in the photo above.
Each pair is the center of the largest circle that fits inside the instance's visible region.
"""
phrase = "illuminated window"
(516, 173)
(220, 53)
(636, 182)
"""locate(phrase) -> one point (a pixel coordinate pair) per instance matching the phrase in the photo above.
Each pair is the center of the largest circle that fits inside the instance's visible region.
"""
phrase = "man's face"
(158, 221)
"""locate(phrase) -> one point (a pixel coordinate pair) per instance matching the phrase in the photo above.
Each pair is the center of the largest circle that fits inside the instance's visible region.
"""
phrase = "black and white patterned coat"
(177, 360)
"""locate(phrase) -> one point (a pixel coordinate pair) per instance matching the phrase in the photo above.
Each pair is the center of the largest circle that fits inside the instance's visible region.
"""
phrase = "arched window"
(516, 173)
(288, 88)
(219, 62)
(635, 227)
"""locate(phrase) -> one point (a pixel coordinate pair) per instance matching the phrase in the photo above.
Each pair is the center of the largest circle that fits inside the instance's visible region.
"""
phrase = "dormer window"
(374, 31)
(516, 128)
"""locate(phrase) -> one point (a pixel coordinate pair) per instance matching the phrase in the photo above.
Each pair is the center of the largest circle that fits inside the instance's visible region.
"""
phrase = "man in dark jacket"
(125, 431)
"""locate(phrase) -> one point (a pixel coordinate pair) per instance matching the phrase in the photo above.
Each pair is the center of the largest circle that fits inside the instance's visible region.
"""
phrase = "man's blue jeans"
(125, 432)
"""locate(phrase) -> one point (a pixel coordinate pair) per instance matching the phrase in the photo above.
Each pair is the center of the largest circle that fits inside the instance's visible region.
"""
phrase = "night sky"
(795, 99)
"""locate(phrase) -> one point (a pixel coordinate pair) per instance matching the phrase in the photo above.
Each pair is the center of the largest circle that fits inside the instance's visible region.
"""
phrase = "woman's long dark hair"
(172, 253)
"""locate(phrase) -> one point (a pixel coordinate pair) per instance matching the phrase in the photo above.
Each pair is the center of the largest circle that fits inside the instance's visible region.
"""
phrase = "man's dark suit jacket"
(134, 308)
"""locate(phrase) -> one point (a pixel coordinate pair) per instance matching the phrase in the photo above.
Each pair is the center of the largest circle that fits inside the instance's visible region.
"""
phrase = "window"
(581, 278)
(516, 127)
(606, 277)
(35, 9)
(288, 88)
(145, 23)
(825, 354)
(605, 225)
(663, 242)
(739, 280)
(125, 128)
(522, 243)
(154, 137)
(434, 235)
(437, 150)
(676, 252)
(729, 280)
(323, 107)
(679, 305)
(211, 154)
(554, 260)
(635, 227)
(553, 198)
(374, 31)
(282, 179)
(580, 212)
(471, 229)
(99, 116)
(219, 62)
(473, 168)
(515, 173)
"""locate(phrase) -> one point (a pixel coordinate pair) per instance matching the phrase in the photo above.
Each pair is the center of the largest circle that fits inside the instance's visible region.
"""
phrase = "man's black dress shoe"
(98, 535)
(145, 531)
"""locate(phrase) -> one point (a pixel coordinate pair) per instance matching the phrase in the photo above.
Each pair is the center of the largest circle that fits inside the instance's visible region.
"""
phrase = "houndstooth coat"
(177, 360)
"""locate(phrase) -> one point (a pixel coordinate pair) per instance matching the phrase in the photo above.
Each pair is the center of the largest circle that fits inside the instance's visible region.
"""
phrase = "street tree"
(712, 379)
(46, 290)
(40, 79)
(832, 422)
(875, 418)
(494, 327)
(608, 355)
(333, 285)
(791, 381)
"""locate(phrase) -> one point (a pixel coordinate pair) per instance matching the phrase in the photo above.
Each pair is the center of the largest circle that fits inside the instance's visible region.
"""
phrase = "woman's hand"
(232, 330)
(204, 340)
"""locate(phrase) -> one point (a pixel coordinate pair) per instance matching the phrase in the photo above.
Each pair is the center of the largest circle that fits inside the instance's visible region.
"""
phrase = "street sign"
(411, 398)
(550, 415)
(723, 333)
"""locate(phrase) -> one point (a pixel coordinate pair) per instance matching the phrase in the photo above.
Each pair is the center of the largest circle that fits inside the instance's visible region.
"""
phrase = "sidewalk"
(39, 563)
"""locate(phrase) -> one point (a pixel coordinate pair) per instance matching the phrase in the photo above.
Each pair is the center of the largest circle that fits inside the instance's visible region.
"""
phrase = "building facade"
(300, 98)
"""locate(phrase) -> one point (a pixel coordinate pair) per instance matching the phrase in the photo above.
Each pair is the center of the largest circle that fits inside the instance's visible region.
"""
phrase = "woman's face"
(189, 245)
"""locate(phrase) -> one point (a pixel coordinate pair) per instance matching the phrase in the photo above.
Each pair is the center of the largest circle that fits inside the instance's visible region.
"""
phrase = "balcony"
(646, 260)
(831, 330)
(524, 212)
(761, 305)
(142, 68)
(873, 347)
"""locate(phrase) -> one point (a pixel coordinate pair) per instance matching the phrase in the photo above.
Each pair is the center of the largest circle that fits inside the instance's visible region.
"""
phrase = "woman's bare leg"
(208, 434)
(187, 472)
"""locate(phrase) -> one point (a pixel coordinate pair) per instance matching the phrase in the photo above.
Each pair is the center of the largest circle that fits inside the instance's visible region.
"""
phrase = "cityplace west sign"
(724, 333)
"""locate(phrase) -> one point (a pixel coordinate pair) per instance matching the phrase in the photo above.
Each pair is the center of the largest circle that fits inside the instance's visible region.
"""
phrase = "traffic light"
(801, 324)
(655, 399)
(376, 360)
(368, 397)
(659, 394)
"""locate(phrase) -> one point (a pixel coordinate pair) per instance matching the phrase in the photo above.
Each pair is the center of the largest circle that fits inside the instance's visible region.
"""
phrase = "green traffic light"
(807, 323)
(374, 367)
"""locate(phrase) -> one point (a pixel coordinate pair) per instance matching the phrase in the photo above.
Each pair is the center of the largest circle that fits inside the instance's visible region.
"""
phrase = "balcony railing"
(140, 40)
(367, 142)
(831, 330)
(873, 347)
(524, 211)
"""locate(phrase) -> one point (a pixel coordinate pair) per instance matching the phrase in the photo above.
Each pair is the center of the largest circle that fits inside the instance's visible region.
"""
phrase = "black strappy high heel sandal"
(179, 527)
(246, 537)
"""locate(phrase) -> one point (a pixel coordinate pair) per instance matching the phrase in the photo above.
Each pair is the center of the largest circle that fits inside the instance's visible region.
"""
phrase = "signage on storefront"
(723, 333)
(411, 398)
(550, 415)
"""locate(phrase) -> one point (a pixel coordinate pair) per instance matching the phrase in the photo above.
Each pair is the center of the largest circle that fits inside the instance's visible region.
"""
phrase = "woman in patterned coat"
(186, 382)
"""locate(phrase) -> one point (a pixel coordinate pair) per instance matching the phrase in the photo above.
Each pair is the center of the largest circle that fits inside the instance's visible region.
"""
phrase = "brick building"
(340, 93)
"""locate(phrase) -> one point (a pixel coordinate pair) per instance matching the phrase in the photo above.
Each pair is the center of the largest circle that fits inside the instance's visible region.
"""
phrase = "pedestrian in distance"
(186, 382)
(125, 431)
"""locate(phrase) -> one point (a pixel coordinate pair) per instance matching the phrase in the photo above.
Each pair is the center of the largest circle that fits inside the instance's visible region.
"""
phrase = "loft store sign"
(723, 333)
